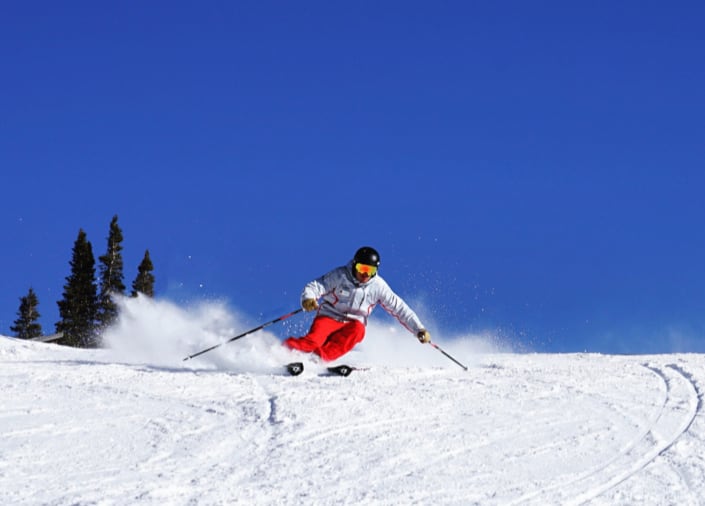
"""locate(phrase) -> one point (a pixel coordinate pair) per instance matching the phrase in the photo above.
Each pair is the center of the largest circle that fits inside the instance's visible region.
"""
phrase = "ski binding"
(295, 368)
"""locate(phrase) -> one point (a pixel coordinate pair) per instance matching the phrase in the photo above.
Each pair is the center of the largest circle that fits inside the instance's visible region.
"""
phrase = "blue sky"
(532, 169)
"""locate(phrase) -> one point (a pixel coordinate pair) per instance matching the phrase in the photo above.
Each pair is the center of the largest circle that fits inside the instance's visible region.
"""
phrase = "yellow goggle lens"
(370, 270)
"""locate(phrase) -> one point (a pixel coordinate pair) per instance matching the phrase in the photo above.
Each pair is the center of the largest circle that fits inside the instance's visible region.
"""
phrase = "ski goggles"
(370, 270)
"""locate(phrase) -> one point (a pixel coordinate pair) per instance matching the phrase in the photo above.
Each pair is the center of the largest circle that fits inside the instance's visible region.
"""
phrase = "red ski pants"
(329, 338)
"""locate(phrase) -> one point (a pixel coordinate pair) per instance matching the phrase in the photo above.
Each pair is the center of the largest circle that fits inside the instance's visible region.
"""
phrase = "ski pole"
(284, 317)
(447, 355)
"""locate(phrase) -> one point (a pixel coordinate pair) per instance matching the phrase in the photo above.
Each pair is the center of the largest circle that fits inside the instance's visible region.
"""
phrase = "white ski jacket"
(344, 298)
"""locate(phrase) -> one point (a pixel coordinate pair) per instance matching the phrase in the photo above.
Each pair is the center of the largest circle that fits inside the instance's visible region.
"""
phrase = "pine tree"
(26, 326)
(144, 282)
(79, 307)
(111, 276)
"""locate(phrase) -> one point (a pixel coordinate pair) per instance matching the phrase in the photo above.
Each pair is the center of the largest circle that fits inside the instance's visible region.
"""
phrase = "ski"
(295, 368)
(341, 370)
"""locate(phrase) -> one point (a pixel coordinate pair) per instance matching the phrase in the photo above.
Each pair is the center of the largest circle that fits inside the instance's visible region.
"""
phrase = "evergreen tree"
(26, 326)
(111, 276)
(144, 282)
(79, 307)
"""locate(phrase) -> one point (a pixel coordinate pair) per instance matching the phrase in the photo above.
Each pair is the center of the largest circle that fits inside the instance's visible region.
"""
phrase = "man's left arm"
(396, 307)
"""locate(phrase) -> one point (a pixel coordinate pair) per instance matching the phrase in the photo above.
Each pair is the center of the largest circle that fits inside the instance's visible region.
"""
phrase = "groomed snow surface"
(138, 425)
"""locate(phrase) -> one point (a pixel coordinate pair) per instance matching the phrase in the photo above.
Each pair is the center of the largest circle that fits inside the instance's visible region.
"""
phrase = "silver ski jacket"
(344, 298)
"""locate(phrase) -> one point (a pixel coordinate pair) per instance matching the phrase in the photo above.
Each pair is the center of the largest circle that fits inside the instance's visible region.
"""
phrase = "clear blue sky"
(535, 169)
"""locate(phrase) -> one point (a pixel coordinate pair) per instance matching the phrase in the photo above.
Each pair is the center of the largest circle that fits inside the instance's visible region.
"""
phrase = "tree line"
(87, 307)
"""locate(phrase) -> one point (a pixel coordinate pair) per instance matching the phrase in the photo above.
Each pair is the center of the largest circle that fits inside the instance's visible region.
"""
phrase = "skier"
(348, 294)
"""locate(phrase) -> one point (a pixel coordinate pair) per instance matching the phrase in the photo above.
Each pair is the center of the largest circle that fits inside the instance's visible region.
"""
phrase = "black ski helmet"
(366, 255)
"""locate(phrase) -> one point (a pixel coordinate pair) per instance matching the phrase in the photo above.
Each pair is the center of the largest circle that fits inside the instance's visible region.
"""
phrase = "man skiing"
(348, 294)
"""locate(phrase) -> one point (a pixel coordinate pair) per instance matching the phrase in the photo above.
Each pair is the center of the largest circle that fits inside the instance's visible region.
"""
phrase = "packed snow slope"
(106, 427)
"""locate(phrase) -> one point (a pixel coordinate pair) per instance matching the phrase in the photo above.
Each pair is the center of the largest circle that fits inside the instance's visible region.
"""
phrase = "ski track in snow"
(681, 403)
(78, 429)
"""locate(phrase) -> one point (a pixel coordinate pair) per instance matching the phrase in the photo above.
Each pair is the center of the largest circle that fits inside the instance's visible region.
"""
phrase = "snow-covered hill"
(92, 427)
